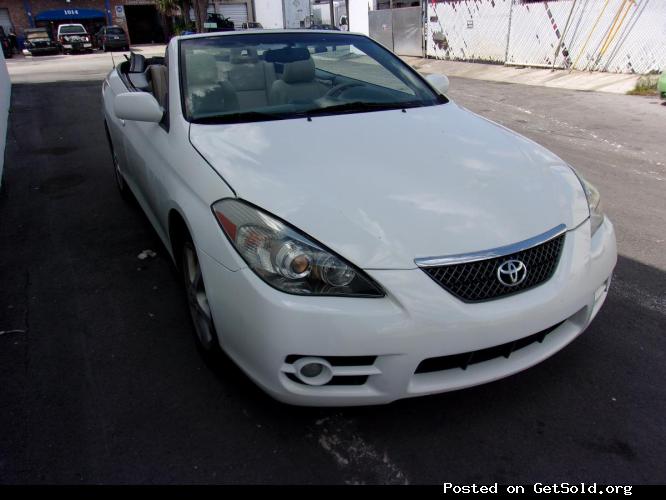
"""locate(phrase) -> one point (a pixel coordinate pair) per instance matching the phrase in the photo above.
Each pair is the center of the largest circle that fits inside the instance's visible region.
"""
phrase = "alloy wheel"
(197, 299)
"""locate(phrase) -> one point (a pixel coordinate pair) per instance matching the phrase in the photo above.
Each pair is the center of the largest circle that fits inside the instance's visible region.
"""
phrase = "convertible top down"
(346, 233)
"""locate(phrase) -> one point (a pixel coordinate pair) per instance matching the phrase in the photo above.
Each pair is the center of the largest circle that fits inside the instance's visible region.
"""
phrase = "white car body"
(400, 188)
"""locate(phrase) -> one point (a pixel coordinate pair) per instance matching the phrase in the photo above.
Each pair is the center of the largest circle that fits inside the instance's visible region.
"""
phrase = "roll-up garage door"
(4, 20)
(237, 12)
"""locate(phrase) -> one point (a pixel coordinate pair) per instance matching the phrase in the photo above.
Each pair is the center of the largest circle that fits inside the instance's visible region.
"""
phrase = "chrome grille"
(477, 281)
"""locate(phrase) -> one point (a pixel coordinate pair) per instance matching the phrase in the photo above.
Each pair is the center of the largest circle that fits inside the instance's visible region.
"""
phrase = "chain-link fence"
(604, 35)
(468, 30)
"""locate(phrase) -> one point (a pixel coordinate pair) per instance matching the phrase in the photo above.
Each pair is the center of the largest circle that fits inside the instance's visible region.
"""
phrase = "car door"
(148, 157)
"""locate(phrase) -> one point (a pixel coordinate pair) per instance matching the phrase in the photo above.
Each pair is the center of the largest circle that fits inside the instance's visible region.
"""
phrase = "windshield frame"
(437, 97)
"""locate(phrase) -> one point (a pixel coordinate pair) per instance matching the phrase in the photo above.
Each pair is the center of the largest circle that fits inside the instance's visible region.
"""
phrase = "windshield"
(115, 31)
(69, 30)
(239, 78)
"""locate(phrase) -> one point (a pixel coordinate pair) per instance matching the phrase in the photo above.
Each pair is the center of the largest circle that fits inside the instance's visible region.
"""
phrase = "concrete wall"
(5, 95)
(269, 13)
(616, 35)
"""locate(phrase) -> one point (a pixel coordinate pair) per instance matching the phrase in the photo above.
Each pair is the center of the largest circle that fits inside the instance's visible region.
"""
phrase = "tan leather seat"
(250, 77)
(159, 83)
(298, 84)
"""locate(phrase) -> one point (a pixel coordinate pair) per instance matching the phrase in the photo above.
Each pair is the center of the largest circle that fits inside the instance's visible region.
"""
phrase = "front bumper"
(115, 43)
(42, 50)
(264, 330)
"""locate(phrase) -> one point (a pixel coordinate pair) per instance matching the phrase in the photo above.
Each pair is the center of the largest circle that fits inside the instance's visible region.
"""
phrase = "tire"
(197, 301)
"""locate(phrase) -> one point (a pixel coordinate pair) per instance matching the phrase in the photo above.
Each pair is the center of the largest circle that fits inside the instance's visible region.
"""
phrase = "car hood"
(383, 188)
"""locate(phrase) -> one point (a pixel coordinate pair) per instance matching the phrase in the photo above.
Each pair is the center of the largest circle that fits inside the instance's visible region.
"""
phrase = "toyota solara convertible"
(346, 233)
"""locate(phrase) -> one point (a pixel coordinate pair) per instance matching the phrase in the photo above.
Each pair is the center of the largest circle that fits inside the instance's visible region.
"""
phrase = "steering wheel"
(339, 89)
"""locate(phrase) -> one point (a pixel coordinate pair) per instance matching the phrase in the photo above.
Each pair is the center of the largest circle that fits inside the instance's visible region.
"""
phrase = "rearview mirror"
(439, 82)
(138, 106)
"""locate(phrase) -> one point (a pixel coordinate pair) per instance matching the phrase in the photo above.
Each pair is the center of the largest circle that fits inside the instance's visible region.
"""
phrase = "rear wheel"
(197, 300)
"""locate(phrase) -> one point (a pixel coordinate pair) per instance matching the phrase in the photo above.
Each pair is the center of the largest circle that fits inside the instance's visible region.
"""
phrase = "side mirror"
(138, 106)
(439, 82)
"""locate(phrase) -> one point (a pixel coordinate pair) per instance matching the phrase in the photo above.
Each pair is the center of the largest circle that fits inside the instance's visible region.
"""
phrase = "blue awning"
(68, 14)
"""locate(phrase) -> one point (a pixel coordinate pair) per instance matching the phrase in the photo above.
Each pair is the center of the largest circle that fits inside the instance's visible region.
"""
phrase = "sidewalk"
(616, 83)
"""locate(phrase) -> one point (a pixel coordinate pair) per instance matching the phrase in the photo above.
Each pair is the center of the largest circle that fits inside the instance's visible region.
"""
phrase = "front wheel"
(197, 300)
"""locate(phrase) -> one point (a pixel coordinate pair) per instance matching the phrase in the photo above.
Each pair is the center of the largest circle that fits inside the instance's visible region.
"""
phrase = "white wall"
(358, 16)
(269, 13)
(296, 12)
(5, 94)
(272, 14)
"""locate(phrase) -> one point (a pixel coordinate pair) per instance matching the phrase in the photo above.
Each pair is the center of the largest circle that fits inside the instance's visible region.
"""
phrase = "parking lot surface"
(102, 383)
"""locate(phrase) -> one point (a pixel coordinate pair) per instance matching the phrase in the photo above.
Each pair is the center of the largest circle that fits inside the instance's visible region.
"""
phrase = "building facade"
(140, 18)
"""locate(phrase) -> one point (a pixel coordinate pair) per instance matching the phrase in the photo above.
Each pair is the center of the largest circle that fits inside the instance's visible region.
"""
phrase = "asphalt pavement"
(101, 382)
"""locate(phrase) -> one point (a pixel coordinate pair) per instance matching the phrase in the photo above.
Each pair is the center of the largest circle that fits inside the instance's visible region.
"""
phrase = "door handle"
(122, 122)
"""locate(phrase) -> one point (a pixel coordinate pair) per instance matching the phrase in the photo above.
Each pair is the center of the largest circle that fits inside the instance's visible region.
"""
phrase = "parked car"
(74, 38)
(217, 22)
(428, 250)
(111, 37)
(38, 41)
(661, 85)
(5, 44)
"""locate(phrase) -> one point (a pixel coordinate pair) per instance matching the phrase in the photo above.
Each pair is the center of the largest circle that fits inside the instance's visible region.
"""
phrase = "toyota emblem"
(512, 272)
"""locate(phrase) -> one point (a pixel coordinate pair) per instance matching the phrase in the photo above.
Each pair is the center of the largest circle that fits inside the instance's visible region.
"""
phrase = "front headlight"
(594, 202)
(287, 259)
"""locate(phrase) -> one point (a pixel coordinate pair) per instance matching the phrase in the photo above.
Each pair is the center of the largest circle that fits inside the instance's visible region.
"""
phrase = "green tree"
(166, 6)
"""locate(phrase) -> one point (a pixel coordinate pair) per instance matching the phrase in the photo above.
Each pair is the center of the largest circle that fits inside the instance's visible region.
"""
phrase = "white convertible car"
(346, 233)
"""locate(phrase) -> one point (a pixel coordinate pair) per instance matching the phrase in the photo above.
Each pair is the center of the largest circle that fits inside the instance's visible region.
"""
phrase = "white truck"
(74, 38)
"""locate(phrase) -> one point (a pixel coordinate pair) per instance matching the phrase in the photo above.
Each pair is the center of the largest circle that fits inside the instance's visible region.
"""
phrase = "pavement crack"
(339, 437)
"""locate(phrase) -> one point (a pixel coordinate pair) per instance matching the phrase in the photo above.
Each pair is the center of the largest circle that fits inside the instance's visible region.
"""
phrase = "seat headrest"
(243, 55)
(201, 69)
(158, 77)
(299, 71)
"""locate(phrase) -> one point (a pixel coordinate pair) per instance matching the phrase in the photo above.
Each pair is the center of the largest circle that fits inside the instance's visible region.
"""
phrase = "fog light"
(313, 371)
